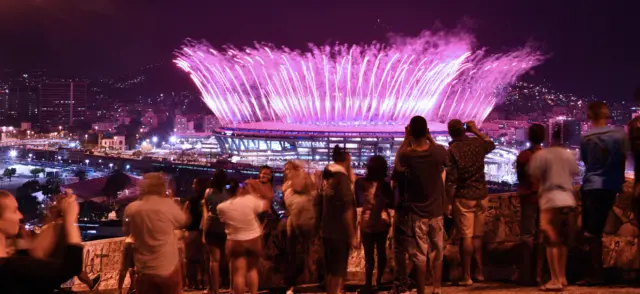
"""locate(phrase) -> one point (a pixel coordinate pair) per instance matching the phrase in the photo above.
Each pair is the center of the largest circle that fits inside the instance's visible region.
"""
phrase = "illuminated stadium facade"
(278, 104)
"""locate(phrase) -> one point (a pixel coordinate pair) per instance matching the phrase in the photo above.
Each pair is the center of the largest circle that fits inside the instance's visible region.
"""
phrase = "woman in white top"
(244, 235)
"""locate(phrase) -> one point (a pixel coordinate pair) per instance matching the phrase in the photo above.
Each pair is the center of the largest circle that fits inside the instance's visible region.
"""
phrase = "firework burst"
(438, 76)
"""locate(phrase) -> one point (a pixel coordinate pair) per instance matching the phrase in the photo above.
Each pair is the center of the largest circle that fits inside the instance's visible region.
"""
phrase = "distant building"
(25, 126)
(104, 126)
(62, 103)
(570, 131)
(210, 123)
(183, 125)
(21, 102)
(115, 143)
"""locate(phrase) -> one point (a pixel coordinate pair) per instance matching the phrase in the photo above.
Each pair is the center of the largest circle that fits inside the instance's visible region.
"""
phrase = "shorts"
(336, 256)
(217, 240)
(127, 257)
(251, 248)
(596, 205)
(558, 225)
(428, 239)
(469, 217)
(529, 219)
(160, 284)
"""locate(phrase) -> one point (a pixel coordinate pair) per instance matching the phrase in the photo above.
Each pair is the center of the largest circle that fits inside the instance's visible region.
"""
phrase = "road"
(485, 288)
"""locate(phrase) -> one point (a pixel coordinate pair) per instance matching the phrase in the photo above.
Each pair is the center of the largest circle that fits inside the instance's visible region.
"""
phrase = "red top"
(525, 184)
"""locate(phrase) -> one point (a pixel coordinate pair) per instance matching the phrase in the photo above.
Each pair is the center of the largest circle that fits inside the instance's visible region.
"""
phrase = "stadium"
(275, 103)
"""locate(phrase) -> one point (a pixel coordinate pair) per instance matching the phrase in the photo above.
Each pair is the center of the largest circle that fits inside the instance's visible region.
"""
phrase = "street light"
(127, 167)
(86, 161)
(110, 165)
(154, 139)
(13, 153)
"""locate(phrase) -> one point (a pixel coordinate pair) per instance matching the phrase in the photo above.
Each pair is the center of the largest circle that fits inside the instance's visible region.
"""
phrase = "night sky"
(594, 46)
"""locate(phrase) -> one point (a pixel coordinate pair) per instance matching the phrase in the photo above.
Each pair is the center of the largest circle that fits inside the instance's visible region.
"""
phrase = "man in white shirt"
(555, 169)
(152, 221)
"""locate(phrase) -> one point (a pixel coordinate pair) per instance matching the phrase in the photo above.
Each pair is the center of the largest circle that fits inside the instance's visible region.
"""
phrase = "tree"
(36, 171)
(28, 204)
(116, 182)
(9, 172)
(51, 187)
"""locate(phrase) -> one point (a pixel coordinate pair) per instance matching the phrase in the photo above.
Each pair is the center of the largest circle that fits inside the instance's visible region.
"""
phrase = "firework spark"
(438, 76)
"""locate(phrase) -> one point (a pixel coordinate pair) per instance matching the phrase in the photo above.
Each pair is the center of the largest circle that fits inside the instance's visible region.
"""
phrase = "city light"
(13, 153)
(173, 139)
(154, 139)
(436, 75)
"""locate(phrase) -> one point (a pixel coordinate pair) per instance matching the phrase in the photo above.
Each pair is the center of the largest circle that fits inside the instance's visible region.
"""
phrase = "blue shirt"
(603, 151)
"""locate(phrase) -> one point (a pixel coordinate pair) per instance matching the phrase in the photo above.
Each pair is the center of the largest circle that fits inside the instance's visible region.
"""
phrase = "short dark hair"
(598, 110)
(456, 128)
(536, 134)
(339, 154)
(377, 168)
(232, 187)
(219, 180)
(418, 125)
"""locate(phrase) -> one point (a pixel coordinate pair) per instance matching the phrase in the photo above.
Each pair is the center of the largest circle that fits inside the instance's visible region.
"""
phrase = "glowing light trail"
(436, 75)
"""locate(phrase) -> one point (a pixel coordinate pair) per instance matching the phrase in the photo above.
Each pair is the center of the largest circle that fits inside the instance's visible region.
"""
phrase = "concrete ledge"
(501, 239)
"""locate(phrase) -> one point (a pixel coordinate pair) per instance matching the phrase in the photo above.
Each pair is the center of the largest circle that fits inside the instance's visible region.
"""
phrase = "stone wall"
(501, 239)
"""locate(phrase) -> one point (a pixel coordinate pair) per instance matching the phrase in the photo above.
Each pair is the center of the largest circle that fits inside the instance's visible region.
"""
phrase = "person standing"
(244, 235)
(375, 196)
(214, 234)
(555, 168)
(466, 184)
(193, 245)
(152, 221)
(336, 218)
(299, 193)
(529, 209)
(423, 163)
(26, 273)
(603, 150)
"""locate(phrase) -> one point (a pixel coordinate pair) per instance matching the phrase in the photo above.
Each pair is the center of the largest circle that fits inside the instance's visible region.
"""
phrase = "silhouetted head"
(232, 187)
(536, 134)
(456, 128)
(377, 168)
(219, 179)
(418, 126)
(340, 155)
(200, 186)
(598, 111)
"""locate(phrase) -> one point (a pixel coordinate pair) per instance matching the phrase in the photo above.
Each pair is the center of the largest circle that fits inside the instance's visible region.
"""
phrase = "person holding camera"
(29, 274)
(421, 208)
(467, 187)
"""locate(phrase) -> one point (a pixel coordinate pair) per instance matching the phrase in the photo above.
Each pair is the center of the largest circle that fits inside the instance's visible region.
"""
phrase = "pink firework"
(438, 76)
